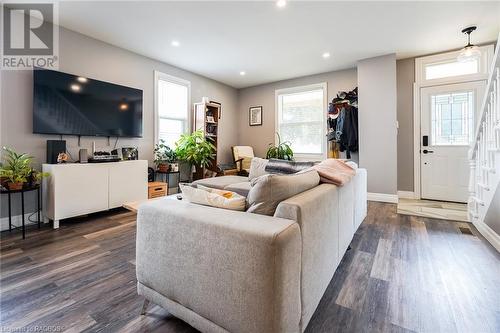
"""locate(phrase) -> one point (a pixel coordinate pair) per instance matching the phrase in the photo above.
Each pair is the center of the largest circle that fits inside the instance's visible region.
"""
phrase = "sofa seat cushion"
(220, 182)
(241, 188)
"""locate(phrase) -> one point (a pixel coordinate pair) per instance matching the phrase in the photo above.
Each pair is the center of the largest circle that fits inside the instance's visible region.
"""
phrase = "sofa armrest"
(238, 270)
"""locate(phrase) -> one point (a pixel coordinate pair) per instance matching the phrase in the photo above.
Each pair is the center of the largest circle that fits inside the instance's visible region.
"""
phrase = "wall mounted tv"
(68, 104)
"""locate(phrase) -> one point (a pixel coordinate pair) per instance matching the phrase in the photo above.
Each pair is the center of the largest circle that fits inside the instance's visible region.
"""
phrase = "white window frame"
(316, 86)
(422, 62)
(169, 78)
(420, 82)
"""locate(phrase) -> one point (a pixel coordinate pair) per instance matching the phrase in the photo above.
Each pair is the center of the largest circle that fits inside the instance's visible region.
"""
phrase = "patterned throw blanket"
(286, 167)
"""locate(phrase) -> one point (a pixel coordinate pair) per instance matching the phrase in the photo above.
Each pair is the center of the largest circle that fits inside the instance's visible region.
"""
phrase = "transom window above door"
(450, 69)
(301, 119)
(172, 100)
(444, 68)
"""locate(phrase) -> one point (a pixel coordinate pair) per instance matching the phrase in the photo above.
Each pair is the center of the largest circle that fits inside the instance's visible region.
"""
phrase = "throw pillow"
(286, 167)
(257, 168)
(269, 190)
(213, 197)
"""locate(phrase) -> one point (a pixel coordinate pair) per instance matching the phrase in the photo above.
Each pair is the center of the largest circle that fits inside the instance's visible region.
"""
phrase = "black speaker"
(54, 148)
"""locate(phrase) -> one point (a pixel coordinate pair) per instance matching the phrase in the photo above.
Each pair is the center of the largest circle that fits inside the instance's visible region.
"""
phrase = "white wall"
(377, 123)
(89, 57)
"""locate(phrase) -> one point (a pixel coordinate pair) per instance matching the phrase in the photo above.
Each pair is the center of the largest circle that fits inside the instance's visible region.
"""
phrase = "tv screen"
(76, 105)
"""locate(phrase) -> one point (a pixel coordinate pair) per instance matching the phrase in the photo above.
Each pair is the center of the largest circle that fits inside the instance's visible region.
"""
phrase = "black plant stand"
(166, 176)
(22, 191)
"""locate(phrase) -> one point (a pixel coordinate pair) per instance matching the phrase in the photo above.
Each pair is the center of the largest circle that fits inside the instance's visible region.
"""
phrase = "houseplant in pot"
(196, 150)
(15, 169)
(281, 151)
(163, 156)
(35, 177)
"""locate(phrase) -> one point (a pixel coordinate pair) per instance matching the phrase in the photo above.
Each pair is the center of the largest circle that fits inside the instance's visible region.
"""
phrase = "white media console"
(78, 189)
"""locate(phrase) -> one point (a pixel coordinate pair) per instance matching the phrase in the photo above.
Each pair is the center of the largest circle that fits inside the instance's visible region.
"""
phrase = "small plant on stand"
(16, 170)
(163, 156)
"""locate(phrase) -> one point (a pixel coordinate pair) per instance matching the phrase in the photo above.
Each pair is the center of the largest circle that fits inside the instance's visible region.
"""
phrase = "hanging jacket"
(349, 136)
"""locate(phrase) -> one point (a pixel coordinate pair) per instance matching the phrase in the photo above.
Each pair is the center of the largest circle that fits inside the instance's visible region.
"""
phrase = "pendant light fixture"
(470, 51)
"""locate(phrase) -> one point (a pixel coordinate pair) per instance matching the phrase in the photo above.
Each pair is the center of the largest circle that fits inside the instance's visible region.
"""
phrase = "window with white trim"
(451, 68)
(301, 119)
(172, 108)
(444, 68)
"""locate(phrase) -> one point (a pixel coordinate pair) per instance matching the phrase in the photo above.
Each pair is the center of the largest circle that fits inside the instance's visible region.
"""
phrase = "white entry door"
(448, 121)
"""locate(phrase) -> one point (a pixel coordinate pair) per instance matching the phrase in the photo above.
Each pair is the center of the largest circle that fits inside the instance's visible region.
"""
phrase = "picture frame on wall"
(255, 116)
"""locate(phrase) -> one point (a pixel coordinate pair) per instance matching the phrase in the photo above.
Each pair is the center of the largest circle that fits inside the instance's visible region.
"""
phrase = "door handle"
(425, 151)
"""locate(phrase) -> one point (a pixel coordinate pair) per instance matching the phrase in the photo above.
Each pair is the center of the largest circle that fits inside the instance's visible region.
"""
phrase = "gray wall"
(405, 78)
(377, 122)
(259, 137)
(89, 57)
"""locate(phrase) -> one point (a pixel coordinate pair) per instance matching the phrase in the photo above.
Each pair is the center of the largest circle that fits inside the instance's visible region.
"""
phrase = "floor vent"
(466, 231)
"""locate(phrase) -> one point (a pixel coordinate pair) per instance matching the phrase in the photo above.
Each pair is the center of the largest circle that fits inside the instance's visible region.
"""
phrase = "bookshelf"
(206, 118)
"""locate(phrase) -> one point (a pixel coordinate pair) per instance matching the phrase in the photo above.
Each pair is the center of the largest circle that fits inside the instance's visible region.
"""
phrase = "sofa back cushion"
(268, 191)
(257, 168)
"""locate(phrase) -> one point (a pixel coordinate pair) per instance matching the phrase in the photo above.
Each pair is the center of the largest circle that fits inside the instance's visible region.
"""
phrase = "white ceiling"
(220, 39)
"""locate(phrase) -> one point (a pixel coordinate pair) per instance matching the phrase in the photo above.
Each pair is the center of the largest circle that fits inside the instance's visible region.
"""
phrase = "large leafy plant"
(16, 167)
(195, 149)
(163, 153)
(281, 151)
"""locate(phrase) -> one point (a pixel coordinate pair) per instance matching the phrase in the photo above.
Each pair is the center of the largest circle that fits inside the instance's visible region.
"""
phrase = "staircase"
(484, 159)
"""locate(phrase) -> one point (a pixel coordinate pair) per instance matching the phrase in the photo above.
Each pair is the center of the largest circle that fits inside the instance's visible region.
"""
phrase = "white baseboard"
(406, 194)
(488, 233)
(383, 197)
(16, 220)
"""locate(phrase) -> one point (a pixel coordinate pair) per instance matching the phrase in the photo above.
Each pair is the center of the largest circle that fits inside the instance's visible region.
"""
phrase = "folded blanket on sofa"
(334, 171)
(286, 167)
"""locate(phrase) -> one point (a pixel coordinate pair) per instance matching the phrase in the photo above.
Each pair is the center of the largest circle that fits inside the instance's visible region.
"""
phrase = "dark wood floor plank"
(403, 274)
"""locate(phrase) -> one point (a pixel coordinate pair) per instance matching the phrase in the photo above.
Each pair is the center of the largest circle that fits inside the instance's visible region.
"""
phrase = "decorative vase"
(14, 186)
(163, 167)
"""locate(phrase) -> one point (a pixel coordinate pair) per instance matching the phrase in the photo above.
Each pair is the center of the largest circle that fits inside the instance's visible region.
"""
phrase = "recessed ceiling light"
(281, 3)
(326, 55)
(175, 43)
(75, 87)
(242, 73)
(82, 79)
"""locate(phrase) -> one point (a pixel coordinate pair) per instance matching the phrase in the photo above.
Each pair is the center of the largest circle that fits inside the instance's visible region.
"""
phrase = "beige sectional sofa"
(229, 271)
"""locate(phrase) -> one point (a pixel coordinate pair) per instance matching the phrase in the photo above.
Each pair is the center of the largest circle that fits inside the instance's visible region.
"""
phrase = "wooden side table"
(157, 189)
(22, 191)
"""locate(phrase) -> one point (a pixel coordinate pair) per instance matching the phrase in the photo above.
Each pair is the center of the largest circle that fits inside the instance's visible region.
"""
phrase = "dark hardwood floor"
(403, 274)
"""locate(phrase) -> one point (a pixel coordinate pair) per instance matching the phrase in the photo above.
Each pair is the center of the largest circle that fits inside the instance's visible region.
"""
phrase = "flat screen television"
(69, 104)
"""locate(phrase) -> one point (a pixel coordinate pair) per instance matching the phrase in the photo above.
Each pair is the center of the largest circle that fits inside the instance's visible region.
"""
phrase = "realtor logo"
(30, 35)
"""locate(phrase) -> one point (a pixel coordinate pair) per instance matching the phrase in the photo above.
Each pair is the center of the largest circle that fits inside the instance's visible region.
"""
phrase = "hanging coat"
(349, 137)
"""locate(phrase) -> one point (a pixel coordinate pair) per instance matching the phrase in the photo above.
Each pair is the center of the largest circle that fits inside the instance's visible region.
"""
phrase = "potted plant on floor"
(281, 151)
(196, 150)
(16, 169)
(163, 156)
